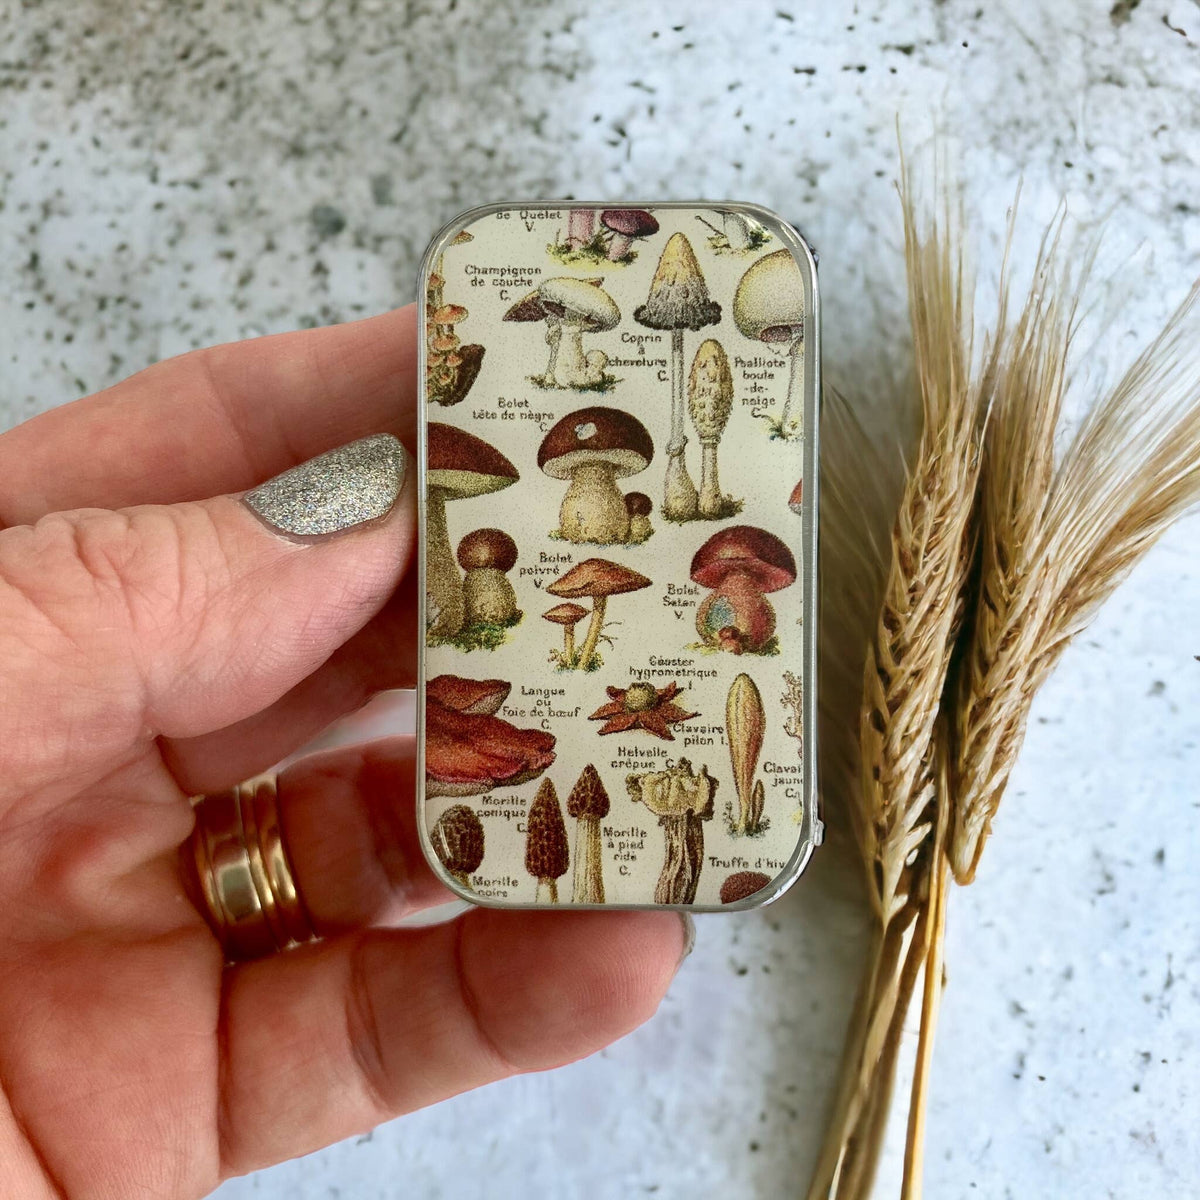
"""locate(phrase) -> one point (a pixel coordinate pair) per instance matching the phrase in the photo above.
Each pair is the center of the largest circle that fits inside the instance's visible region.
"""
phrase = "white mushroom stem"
(592, 639)
(568, 643)
(679, 492)
(588, 884)
(443, 584)
(711, 500)
(593, 510)
(795, 382)
(553, 339)
(488, 596)
(568, 365)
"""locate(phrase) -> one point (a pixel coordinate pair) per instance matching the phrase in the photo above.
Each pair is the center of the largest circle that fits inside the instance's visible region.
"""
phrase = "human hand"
(159, 640)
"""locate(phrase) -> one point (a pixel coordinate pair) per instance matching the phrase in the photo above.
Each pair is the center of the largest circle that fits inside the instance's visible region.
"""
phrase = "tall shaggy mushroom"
(745, 726)
(639, 507)
(741, 563)
(599, 579)
(678, 300)
(457, 838)
(459, 465)
(710, 401)
(593, 448)
(547, 856)
(682, 800)
(626, 226)
(570, 308)
(567, 615)
(487, 555)
(588, 803)
(769, 307)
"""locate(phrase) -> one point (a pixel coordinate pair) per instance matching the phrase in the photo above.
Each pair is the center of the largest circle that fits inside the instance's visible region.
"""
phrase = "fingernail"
(689, 938)
(333, 492)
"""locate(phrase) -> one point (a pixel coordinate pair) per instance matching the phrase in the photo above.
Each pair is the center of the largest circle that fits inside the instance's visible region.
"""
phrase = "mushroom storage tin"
(618, 450)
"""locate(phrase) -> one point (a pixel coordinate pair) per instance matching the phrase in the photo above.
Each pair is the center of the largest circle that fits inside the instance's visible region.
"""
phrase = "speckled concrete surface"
(173, 175)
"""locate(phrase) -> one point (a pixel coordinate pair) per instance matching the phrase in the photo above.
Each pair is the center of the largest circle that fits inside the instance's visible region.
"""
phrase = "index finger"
(216, 420)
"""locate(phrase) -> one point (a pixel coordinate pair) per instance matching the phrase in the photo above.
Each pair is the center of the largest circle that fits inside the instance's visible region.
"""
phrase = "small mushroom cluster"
(570, 308)
(450, 367)
(613, 242)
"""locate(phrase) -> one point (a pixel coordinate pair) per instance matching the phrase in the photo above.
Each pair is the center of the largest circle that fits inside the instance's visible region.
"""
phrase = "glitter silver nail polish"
(333, 492)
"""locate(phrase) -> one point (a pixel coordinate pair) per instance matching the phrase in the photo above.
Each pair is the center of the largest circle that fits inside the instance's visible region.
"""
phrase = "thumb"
(174, 620)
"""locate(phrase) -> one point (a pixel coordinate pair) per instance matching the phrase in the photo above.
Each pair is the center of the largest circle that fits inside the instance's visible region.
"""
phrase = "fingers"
(214, 421)
(322, 1043)
(350, 824)
(176, 620)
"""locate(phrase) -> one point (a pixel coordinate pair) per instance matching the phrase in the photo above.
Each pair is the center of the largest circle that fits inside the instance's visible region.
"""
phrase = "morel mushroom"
(487, 555)
(546, 854)
(743, 885)
(745, 725)
(457, 838)
(740, 564)
(568, 616)
(769, 307)
(599, 579)
(593, 448)
(570, 308)
(459, 465)
(588, 803)
(626, 226)
(468, 751)
(639, 506)
(678, 300)
(710, 401)
(682, 800)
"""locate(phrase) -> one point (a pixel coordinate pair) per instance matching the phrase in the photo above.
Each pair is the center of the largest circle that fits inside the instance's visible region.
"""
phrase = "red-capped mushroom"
(487, 555)
(599, 579)
(468, 695)
(639, 506)
(593, 447)
(626, 225)
(459, 465)
(796, 499)
(741, 564)
(567, 615)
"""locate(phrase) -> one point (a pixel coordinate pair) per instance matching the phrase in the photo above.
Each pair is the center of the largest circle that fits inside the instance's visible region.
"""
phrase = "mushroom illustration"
(710, 401)
(593, 447)
(742, 885)
(626, 226)
(745, 725)
(457, 838)
(450, 367)
(570, 308)
(638, 505)
(769, 307)
(459, 465)
(796, 499)
(588, 803)
(741, 564)
(581, 227)
(599, 579)
(678, 300)
(486, 556)
(567, 615)
(682, 800)
(469, 751)
(546, 854)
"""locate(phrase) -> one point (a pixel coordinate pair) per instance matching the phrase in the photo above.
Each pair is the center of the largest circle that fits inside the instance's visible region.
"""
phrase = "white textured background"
(174, 174)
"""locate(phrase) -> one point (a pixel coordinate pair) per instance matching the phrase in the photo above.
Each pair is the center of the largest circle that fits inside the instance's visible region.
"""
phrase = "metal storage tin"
(617, 690)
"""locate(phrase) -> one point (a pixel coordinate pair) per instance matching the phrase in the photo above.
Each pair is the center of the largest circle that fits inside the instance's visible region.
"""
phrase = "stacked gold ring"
(242, 871)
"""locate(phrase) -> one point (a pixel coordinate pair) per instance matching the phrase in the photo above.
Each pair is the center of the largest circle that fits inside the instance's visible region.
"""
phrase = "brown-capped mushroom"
(581, 227)
(742, 885)
(796, 499)
(567, 615)
(769, 307)
(678, 300)
(451, 368)
(682, 800)
(710, 401)
(570, 308)
(593, 447)
(599, 579)
(459, 465)
(626, 225)
(741, 564)
(639, 507)
(487, 555)
(457, 839)
(470, 752)
(588, 803)
(547, 856)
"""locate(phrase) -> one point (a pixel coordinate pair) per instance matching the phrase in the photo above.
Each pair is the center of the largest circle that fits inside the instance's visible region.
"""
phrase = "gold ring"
(244, 879)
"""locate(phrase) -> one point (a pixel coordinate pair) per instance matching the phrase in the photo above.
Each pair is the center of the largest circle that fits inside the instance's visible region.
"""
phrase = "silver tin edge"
(811, 828)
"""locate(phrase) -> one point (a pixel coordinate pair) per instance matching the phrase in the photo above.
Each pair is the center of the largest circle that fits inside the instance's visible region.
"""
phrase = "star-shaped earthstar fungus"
(642, 706)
